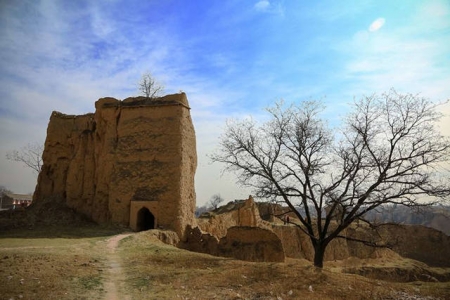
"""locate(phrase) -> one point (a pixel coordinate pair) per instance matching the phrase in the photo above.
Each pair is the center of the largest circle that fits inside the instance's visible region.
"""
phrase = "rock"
(251, 244)
(198, 241)
(235, 230)
(132, 162)
(241, 242)
(418, 242)
(166, 236)
(235, 213)
(411, 241)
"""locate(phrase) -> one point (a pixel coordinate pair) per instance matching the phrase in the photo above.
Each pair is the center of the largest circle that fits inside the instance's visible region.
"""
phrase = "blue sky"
(232, 58)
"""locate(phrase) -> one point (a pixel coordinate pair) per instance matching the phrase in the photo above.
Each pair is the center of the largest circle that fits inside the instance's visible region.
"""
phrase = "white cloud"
(435, 8)
(69, 68)
(267, 7)
(410, 57)
(262, 5)
(53, 64)
(376, 25)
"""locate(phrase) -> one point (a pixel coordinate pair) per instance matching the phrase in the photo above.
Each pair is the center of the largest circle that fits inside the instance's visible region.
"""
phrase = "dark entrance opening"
(145, 220)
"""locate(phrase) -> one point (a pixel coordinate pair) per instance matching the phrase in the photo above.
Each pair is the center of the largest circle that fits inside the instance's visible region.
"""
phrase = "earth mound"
(50, 212)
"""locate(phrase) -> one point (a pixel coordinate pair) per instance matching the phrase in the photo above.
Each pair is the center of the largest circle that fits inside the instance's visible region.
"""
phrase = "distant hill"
(437, 217)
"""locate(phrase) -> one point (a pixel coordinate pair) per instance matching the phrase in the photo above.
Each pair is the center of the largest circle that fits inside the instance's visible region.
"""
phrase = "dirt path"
(115, 277)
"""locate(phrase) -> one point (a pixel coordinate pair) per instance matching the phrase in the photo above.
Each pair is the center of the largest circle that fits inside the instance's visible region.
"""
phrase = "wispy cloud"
(405, 56)
(231, 59)
(266, 6)
(262, 5)
(376, 25)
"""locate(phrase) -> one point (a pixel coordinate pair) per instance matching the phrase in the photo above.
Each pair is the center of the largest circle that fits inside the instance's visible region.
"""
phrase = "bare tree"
(3, 192)
(215, 201)
(199, 210)
(30, 155)
(149, 87)
(388, 151)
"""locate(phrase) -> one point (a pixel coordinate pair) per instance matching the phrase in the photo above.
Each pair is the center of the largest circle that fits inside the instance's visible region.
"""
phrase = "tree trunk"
(319, 253)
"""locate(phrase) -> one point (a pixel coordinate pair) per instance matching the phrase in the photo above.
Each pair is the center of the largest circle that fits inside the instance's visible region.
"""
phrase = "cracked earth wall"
(136, 151)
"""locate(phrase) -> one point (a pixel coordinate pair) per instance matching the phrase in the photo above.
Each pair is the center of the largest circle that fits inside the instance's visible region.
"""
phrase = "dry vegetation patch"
(77, 267)
(158, 271)
(53, 262)
(49, 269)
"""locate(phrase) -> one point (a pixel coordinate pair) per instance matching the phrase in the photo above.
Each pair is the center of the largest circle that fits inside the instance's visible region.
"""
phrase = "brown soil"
(139, 266)
(113, 282)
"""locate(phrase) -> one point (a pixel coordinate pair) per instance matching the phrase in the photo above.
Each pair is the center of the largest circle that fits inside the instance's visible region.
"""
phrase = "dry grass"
(49, 269)
(67, 264)
(166, 272)
(76, 267)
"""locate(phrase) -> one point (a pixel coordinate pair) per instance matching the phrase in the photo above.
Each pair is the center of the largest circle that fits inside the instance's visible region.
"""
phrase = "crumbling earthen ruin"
(132, 162)
(213, 233)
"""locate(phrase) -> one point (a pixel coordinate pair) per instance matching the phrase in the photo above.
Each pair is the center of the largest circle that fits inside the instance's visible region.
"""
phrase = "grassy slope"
(163, 272)
(53, 262)
(74, 266)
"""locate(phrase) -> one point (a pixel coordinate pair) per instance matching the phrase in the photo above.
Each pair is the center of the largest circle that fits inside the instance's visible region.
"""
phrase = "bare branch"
(389, 152)
(29, 155)
(215, 201)
(149, 87)
(365, 242)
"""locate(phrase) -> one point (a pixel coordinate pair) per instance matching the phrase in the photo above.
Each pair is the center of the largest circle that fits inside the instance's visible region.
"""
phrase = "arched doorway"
(145, 220)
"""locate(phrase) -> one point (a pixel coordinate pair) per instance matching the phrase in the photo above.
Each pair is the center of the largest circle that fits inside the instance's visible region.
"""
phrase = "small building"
(14, 201)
